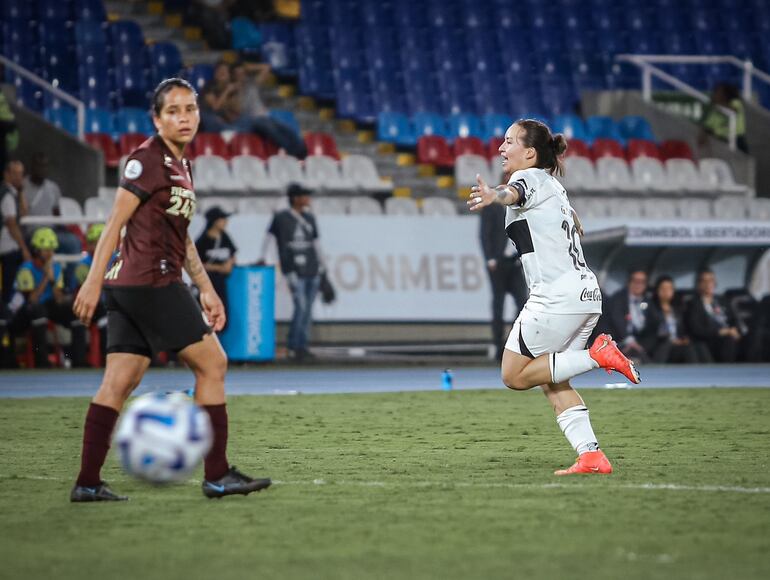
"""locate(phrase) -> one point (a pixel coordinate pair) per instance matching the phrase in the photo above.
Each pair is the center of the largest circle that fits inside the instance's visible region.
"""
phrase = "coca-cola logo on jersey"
(594, 295)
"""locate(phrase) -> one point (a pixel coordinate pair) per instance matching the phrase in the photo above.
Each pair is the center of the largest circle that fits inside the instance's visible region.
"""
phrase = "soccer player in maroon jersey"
(149, 309)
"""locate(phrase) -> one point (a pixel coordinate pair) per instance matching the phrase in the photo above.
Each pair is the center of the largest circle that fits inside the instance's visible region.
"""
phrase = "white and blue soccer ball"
(162, 438)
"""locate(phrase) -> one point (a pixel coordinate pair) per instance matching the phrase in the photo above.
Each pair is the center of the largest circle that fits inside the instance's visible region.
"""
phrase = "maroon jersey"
(153, 250)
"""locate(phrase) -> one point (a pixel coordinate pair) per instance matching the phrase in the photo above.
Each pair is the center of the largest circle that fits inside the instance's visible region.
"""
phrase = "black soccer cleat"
(233, 482)
(101, 492)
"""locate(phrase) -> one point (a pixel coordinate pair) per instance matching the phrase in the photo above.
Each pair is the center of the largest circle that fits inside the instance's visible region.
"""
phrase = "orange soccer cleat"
(588, 462)
(607, 354)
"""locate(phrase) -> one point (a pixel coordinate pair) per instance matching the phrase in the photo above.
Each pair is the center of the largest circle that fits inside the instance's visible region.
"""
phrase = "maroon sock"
(100, 421)
(215, 465)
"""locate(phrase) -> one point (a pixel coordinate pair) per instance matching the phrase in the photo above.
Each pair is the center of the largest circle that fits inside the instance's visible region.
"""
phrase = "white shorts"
(536, 333)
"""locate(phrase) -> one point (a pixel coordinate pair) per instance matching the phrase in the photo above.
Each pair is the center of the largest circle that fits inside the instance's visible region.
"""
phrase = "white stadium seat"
(285, 170)
(613, 173)
(228, 204)
(251, 173)
(256, 205)
(438, 206)
(468, 166)
(401, 206)
(650, 174)
(590, 207)
(760, 209)
(98, 208)
(329, 206)
(108, 194)
(694, 209)
(718, 176)
(211, 173)
(70, 207)
(362, 171)
(580, 175)
(730, 208)
(661, 208)
(624, 207)
(683, 174)
(323, 173)
(364, 206)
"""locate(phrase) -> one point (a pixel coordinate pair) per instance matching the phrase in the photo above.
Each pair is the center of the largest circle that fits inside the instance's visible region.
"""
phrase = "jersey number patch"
(574, 249)
(182, 203)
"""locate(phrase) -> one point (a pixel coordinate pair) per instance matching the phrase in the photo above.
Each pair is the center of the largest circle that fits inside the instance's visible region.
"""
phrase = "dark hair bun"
(559, 144)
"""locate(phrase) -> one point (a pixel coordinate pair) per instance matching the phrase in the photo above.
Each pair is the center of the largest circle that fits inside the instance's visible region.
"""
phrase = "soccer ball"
(163, 437)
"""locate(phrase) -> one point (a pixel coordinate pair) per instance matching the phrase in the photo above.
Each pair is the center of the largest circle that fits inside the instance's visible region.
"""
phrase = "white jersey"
(543, 229)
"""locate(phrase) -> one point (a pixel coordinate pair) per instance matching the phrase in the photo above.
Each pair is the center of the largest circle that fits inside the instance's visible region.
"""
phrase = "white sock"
(568, 364)
(576, 426)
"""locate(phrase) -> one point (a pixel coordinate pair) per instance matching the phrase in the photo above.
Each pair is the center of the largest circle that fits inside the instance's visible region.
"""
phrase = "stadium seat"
(731, 208)
(429, 124)
(99, 121)
(578, 148)
(661, 209)
(468, 166)
(642, 148)
(607, 148)
(717, 174)
(247, 144)
(321, 144)
(626, 208)
(285, 170)
(464, 125)
(433, 150)
(674, 149)
(438, 206)
(694, 209)
(322, 173)
(106, 145)
(330, 206)
(364, 206)
(362, 171)
(70, 208)
(251, 173)
(108, 194)
(759, 209)
(613, 173)
(212, 174)
(401, 206)
(650, 174)
(165, 61)
(96, 207)
(199, 75)
(469, 145)
(579, 175)
(127, 33)
(206, 202)
(493, 148)
(635, 127)
(684, 174)
(256, 205)
(395, 128)
(208, 144)
(599, 127)
(571, 126)
(133, 120)
(495, 125)
(590, 207)
(63, 118)
(127, 142)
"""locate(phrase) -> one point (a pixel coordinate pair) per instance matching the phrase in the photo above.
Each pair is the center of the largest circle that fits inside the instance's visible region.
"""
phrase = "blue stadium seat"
(127, 33)
(429, 124)
(355, 105)
(133, 120)
(89, 10)
(571, 125)
(464, 125)
(600, 127)
(635, 127)
(64, 118)
(165, 61)
(394, 127)
(199, 75)
(99, 121)
(90, 33)
(495, 125)
(16, 10)
(54, 10)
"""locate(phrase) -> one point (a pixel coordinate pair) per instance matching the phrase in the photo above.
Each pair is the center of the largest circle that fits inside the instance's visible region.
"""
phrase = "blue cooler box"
(250, 332)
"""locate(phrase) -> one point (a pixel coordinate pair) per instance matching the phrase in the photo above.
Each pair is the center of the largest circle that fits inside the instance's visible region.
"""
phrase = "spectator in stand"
(664, 337)
(43, 197)
(217, 251)
(714, 122)
(9, 134)
(625, 316)
(712, 324)
(13, 205)
(213, 98)
(40, 281)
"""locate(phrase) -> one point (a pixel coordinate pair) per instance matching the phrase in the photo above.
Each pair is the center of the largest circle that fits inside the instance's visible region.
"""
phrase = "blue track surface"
(324, 380)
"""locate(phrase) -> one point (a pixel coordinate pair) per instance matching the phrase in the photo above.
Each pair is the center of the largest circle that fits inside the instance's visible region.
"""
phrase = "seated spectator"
(711, 324)
(715, 122)
(13, 205)
(664, 337)
(217, 251)
(40, 283)
(625, 316)
(43, 196)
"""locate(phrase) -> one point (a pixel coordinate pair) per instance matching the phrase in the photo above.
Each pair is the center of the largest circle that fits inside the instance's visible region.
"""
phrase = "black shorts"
(144, 320)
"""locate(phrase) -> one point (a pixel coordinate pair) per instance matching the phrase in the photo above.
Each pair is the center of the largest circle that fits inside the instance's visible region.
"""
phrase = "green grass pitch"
(411, 485)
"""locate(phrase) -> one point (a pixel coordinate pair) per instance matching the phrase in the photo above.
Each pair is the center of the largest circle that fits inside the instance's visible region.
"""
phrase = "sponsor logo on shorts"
(591, 295)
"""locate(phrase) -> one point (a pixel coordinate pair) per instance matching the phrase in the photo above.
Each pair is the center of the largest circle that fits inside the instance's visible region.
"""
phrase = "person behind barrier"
(712, 323)
(13, 247)
(41, 298)
(217, 251)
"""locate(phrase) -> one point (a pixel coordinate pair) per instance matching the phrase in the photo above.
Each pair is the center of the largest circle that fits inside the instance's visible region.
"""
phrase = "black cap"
(295, 190)
(215, 213)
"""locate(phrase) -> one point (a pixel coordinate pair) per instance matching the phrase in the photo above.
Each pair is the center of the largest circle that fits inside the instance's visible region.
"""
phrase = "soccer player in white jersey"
(546, 346)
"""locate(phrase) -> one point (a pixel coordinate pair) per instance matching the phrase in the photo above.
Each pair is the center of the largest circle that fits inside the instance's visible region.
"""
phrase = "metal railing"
(80, 107)
(646, 63)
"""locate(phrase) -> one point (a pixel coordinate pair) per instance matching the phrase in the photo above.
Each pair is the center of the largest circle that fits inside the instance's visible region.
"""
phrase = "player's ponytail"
(549, 148)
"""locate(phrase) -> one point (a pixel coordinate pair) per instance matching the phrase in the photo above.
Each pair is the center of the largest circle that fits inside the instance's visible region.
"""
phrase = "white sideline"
(480, 485)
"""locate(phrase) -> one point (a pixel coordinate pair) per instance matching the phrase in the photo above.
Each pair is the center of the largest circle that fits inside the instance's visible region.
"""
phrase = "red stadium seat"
(433, 150)
(248, 144)
(469, 146)
(130, 141)
(607, 148)
(642, 148)
(209, 144)
(674, 149)
(493, 147)
(321, 144)
(577, 148)
(106, 145)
